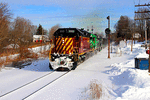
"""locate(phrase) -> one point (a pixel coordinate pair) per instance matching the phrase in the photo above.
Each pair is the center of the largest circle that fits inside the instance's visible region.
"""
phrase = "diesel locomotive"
(71, 47)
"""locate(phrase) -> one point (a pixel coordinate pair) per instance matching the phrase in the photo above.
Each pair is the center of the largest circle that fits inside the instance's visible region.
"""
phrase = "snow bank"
(131, 83)
(40, 48)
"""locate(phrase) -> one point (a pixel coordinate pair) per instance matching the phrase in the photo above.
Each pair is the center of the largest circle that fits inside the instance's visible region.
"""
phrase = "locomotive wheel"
(83, 59)
(50, 66)
(95, 52)
(74, 65)
(87, 56)
(91, 54)
(75, 58)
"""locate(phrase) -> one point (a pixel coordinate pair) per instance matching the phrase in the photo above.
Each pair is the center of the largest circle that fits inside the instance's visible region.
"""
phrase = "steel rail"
(45, 86)
(26, 84)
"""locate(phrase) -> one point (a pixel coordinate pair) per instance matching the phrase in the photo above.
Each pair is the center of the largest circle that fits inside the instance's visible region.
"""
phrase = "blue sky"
(73, 13)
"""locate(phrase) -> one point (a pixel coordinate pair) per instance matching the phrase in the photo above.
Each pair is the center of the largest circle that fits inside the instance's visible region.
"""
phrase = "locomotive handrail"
(50, 51)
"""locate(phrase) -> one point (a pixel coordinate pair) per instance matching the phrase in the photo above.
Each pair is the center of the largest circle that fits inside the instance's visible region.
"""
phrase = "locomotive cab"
(67, 32)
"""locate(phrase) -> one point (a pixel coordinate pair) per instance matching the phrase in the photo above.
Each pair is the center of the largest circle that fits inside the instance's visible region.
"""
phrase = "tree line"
(126, 27)
(20, 31)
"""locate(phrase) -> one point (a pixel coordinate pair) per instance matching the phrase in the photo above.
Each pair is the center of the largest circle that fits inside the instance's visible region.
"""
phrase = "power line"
(142, 5)
(142, 11)
(141, 18)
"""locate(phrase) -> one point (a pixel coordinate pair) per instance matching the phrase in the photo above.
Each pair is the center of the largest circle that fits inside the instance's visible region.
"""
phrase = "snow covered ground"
(117, 76)
(36, 50)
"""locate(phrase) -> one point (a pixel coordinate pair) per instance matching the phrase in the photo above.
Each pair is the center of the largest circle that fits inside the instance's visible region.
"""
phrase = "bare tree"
(124, 28)
(21, 34)
(52, 30)
(113, 36)
(33, 29)
(45, 32)
(5, 17)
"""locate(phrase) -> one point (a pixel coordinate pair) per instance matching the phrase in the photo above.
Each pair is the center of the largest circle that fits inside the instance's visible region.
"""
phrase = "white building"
(38, 38)
(137, 35)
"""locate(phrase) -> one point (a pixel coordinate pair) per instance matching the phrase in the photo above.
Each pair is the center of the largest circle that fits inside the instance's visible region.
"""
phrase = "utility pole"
(108, 37)
(111, 43)
(42, 41)
(145, 35)
(143, 19)
(133, 35)
(134, 32)
(132, 43)
(145, 27)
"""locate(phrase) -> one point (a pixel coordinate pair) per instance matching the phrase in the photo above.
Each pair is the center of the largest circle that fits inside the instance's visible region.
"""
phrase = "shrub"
(95, 90)
(92, 92)
(1, 64)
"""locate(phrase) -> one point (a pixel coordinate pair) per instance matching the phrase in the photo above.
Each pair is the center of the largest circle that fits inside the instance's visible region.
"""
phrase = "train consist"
(71, 47)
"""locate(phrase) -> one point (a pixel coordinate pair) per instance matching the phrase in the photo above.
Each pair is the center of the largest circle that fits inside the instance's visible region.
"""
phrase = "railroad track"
(25, 91)
(24, 85)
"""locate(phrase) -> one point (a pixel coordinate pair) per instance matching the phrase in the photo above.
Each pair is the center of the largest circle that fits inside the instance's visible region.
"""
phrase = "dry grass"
(18, 61)
(7, 52)
(25, 56)
(1, 64)
(4, 58)
(95, 90)
(7, 61)
(92, 92)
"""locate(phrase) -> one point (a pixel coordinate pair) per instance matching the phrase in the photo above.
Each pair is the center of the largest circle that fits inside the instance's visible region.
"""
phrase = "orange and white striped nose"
(64, 45)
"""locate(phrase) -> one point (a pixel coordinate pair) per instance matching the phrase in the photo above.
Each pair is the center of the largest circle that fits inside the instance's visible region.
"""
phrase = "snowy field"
(117, 76)
(36, 50)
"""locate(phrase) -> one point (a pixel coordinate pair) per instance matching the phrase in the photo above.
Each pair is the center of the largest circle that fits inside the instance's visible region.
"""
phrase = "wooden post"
(145, 35)
(108, 37)
(111, 47)
(132, 43)
(42, 41)
(108, 45)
